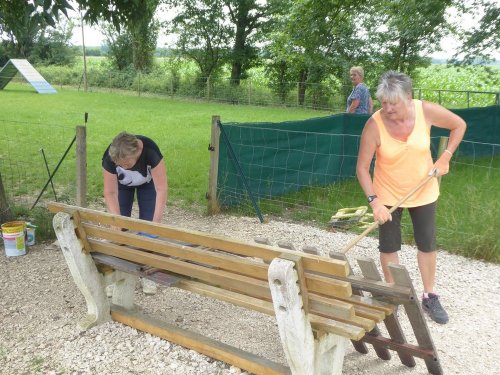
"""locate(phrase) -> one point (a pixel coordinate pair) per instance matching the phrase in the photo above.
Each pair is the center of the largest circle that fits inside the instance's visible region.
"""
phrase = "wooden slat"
(267, 253)
(242, 266)
(330, 307)
(368, 302)
(319, 283)
(80, 231)
(401, 347)
(242, 284)
(329, 287)
(360, 346)
(369, 313)
(344, 313)
(230, 281)
(417, 320)
(304, 294)
(212, 348)
(338, 328)
(370, 271)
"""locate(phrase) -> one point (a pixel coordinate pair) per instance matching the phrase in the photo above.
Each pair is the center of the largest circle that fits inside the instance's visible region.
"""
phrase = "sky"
(93, 38)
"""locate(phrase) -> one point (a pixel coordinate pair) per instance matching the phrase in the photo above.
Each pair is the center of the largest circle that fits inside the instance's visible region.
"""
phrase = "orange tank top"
(400, 166)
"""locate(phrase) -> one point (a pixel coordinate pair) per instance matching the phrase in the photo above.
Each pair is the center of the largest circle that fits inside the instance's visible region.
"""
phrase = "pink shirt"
(400, 166)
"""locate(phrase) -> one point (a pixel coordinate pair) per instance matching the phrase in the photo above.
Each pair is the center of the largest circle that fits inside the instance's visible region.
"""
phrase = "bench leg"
(306, 355)
(82, 267)
(123, 291)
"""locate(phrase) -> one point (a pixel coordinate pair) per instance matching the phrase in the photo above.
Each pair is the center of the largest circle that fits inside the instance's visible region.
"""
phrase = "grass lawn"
(467, 213)
(180, 128)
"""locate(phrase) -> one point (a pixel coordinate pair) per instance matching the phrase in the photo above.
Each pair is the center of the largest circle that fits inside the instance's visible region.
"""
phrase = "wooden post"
(213, 147)
(208, 89)
(443, 143)
(5, 212)
(81, 166)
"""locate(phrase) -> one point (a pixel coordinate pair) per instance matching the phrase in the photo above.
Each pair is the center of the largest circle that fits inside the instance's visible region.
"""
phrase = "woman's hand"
(442, 165)
(381, 213)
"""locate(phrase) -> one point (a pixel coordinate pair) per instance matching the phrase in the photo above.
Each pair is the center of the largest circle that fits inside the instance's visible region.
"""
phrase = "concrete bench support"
(84, 272)
(306, 355)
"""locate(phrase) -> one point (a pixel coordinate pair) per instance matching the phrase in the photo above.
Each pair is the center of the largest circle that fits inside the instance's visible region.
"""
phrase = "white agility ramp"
(28, 72)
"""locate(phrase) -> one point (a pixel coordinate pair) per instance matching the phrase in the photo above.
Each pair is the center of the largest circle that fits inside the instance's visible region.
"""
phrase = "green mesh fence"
(279, 158)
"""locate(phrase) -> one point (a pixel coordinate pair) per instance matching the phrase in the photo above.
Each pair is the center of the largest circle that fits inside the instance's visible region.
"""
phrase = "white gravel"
(40, 306)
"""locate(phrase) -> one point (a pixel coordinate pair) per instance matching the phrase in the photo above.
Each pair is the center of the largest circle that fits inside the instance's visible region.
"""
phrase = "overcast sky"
(93, 38)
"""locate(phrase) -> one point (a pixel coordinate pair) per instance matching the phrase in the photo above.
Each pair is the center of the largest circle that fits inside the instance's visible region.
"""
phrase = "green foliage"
(38, 216)
(461, 79)
(120, 49)
(480, 42)
(204, 35)
(52, 47)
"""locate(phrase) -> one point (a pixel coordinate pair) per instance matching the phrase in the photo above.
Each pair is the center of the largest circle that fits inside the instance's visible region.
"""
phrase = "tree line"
(300, 41)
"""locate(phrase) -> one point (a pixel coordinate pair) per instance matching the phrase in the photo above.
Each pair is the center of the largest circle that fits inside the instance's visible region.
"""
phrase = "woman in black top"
(134, 163)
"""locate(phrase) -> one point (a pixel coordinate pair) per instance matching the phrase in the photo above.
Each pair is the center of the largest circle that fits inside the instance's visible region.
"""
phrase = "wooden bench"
(318, 304)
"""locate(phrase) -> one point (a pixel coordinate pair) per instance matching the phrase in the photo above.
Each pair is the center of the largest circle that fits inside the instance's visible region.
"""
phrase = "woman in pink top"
(398, 136)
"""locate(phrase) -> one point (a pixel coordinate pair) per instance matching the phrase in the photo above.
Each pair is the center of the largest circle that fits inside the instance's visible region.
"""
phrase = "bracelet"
(449, 152)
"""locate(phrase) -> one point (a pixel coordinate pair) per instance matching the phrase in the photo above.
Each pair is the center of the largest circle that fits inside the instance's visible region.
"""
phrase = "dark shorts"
(146, 199)
(424, 229)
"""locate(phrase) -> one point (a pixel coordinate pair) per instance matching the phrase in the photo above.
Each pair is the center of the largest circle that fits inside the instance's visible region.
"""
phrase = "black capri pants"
(423, 219)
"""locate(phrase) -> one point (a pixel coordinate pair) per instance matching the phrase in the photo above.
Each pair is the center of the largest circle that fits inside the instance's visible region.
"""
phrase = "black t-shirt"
(140, 173)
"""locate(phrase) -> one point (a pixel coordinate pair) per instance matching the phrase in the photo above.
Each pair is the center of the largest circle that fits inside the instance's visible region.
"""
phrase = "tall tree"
(204, 34)
(403, 33)
(483, 40)
(248, 18)
(22, 21)
(136, 17)
(317, 35)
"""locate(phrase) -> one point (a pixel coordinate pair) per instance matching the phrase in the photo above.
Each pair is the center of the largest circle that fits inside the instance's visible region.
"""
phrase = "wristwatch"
(371, 198)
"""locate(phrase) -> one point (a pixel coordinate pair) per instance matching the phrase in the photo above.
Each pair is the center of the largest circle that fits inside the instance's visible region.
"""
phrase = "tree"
(483, 40)
(313, 39)
(403, 33)
(120, 50)
(21, 22)
(53, 45)
(203, 34)
(136, 17)
(248, 18)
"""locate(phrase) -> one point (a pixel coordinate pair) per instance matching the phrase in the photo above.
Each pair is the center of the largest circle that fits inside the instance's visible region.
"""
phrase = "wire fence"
(29, 154)
(244, 92)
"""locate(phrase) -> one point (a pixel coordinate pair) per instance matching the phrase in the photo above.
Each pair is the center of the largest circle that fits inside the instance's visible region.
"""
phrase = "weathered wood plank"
(360, 346)
(416, 317)
(265, 252)
(202, 344)
(370, 271)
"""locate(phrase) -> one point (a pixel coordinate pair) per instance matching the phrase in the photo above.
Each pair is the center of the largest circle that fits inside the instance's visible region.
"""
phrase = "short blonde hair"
(359, 70)
(394, 86)
(124, 146)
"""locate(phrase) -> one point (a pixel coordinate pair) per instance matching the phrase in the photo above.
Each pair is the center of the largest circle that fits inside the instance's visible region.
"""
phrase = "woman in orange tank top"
(398, 136)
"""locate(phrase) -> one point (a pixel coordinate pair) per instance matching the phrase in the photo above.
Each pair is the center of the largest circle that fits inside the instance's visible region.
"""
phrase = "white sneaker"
(148, 286)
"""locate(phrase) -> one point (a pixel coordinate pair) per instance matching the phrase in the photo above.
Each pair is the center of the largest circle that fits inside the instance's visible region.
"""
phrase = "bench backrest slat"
(267, 253)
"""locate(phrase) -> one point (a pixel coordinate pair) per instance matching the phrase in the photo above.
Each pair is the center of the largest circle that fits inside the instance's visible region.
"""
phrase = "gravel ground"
(40, 306)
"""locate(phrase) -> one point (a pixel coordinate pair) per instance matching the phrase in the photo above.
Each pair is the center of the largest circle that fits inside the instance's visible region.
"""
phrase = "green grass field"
(181, 128)
(468, 207)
